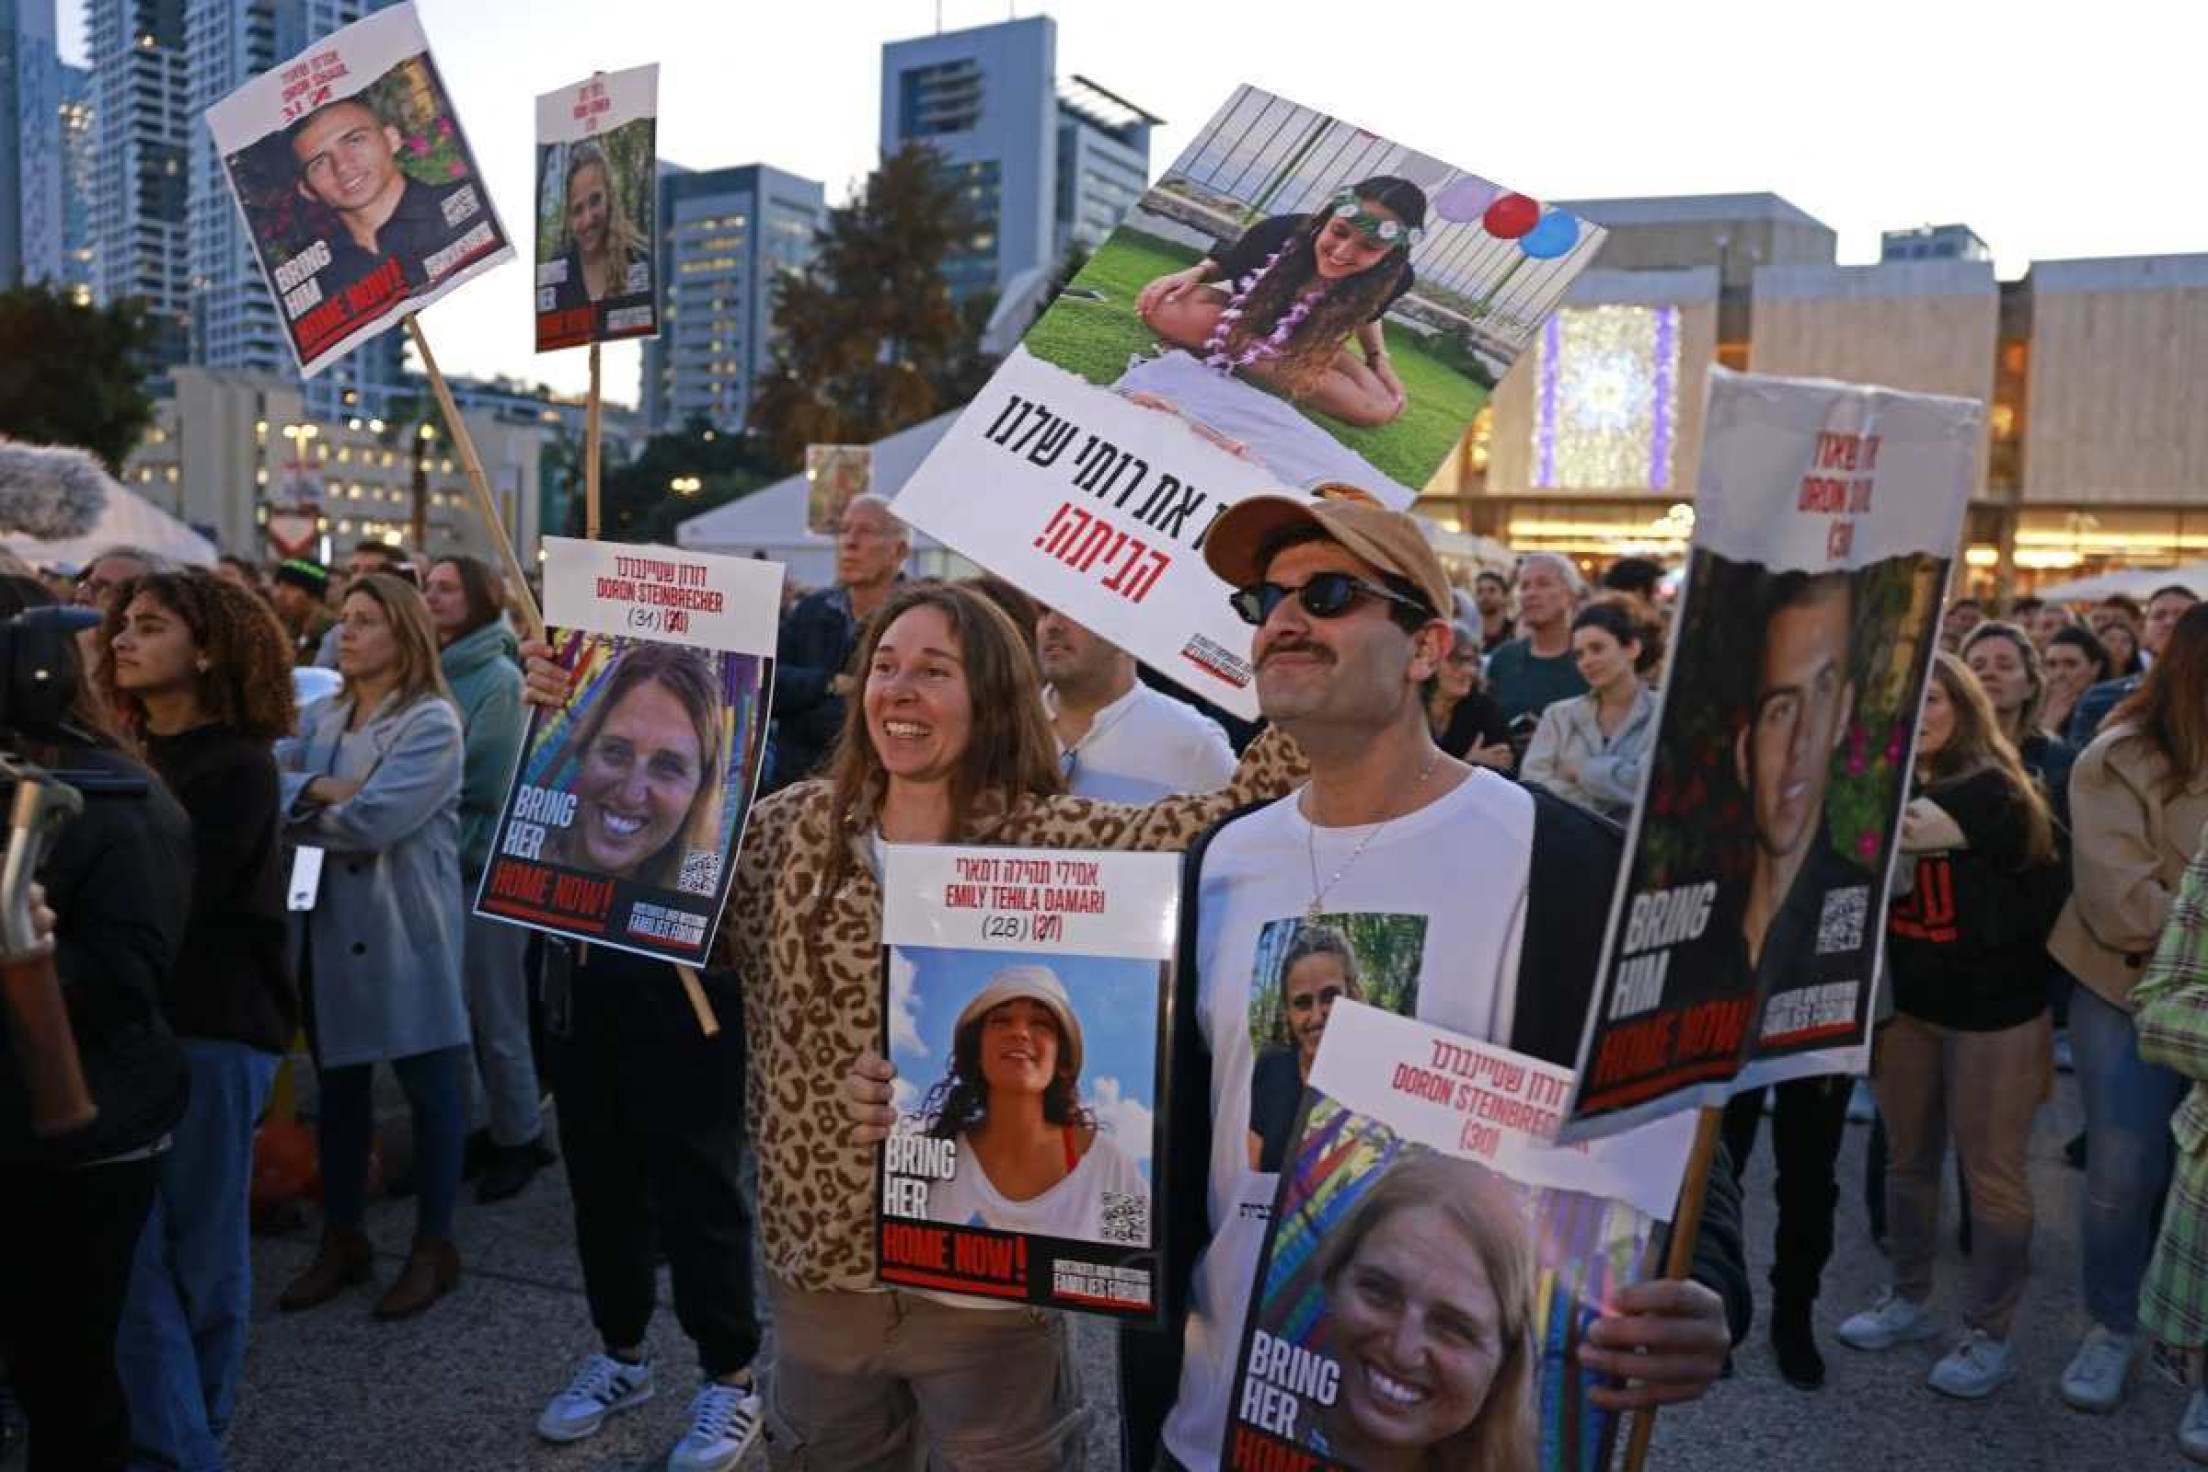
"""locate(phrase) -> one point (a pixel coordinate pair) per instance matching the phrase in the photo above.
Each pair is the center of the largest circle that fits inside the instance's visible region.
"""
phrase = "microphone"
(50, 492)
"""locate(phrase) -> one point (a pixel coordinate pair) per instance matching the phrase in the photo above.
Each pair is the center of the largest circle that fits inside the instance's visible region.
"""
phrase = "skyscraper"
(30, 143)
(139, 125)
(724, 236)
(1046, 163)
(79, 165)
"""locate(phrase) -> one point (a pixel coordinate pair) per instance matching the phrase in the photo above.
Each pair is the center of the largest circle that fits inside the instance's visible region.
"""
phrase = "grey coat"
(386, 923)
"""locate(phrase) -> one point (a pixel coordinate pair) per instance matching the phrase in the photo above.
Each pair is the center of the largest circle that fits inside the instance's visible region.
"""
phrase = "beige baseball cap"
(1390, 540)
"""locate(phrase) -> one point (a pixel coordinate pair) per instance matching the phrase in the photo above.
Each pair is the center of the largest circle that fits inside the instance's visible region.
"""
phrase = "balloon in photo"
(1465, 198)
(1511, 216)
(1557, 233)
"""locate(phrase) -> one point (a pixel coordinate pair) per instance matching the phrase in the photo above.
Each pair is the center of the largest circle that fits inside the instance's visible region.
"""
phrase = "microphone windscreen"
(50, 492)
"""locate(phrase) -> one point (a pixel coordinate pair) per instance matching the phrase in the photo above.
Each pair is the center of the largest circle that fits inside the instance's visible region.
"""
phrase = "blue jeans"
(2128, 1154)
(436, 1086)
(182, 1341)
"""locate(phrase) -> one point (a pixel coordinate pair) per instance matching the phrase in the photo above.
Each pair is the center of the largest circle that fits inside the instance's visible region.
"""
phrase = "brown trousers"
(887, 1382)
(1981, 1089)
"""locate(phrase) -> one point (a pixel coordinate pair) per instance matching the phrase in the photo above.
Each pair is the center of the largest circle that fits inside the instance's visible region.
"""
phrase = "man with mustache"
(1118, 739)
(1349, 607)
(348, 163)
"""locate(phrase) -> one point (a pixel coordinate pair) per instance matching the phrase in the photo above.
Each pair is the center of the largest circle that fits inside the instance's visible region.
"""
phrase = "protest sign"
(1297, 304)
(628, 804)
(1420, 1197)
(1025, 1012)
(834, 474)
(358, 190)
(1748, 921)
(598, 210)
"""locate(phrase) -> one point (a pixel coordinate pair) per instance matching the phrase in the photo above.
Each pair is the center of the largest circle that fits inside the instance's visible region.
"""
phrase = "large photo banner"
(1025, 1005)
(1748, 925)
(1433, 1263)
(628, 804)
(598, 210)
(1297, 304)
(358, 190)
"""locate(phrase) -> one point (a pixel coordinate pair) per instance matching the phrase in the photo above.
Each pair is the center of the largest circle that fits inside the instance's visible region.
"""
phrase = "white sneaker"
(724, 1422)
(602, 1386)
(2192, 1432)
(1974, 1369)
(1890, 1321)
(2095, 1379)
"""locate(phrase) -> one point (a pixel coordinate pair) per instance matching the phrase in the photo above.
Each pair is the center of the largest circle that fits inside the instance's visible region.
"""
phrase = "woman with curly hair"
(604, 256)
(1030, 1155)
(199, 675)
(1319, 970)
(1429, 1314)
(1281, 305)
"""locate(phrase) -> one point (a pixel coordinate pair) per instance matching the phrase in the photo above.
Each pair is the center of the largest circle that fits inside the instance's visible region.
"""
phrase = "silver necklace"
(1320, 891)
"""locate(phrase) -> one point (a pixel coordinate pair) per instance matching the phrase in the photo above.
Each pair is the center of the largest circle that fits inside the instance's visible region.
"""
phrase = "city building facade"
(79, 168)
(30, 143)
(141, 157)
(725, 237)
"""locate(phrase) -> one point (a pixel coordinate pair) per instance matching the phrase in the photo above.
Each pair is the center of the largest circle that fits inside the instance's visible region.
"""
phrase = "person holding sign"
(1293, 291)
(947, 739)
(1030, 1156)
(1349, 603)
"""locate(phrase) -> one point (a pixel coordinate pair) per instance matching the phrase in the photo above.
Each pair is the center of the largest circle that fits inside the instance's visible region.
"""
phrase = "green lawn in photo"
(1095, 338)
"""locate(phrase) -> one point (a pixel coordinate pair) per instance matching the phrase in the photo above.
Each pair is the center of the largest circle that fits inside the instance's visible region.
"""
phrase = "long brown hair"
(479, 587)
(2169, 710)
(1010, 751)
(2027, 719)
(692, 677)
(421, 672)
(1343, 307)
(1976, 744)
(1486, 1210)
(246, 685)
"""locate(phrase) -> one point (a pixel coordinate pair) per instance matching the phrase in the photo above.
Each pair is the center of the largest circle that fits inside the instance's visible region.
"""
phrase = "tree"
(71, 374)
(868, 340)
(640, 501)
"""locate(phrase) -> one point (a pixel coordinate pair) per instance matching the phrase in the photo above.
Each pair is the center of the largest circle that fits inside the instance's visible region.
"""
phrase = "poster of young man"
(629, 801)
(597, 210)
(1297, 304)
(1025, 1017)
(1432, 1261)
(356, 183)
(834, 476)
(1746, 931)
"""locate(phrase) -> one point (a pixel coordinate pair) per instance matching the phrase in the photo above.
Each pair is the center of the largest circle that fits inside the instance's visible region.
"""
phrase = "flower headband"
(1380, 231)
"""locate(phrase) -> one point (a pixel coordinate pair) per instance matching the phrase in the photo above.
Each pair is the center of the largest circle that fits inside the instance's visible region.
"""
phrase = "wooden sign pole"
(1679, 1260)
(591, 452)
(479, 488)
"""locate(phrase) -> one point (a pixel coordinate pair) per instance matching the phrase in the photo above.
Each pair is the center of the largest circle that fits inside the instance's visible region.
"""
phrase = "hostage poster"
(1297, 304)
(358, 190)
(1747, 927)
(1025, 1011)
(1432, 1262)
(628, 804)
(597, 210)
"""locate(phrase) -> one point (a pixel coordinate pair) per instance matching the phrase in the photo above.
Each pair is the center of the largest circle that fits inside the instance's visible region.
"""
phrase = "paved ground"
(459, 1387)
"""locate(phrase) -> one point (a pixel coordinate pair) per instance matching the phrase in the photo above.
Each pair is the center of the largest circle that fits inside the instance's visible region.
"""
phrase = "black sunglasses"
(1323, 595)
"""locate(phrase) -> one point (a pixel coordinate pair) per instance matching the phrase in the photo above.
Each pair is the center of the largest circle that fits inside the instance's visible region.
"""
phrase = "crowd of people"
(295, 773)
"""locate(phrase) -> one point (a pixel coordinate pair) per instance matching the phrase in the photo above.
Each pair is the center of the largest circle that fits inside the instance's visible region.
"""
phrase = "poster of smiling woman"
(360, 194)
(1432, 1262)
(626, 809)
(597, 209)
(1024, 1007)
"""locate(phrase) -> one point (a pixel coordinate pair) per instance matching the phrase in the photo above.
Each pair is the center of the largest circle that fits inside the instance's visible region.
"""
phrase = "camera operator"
(72, 1205)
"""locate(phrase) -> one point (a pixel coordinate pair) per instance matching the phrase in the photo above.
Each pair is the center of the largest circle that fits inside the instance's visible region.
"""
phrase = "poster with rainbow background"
(1432, 1263)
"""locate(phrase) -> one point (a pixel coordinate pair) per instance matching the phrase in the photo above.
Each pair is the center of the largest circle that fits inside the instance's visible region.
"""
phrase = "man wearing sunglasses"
(1487, 884)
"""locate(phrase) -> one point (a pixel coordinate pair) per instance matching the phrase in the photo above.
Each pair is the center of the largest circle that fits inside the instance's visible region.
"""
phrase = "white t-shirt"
(1144, 746)
(1433, 910)
(1101, 1194)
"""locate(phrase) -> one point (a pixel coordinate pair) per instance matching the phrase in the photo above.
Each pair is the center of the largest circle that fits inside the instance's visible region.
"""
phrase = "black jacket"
(817, 640)
(233, 981)
(1575, 854)
(119, 881)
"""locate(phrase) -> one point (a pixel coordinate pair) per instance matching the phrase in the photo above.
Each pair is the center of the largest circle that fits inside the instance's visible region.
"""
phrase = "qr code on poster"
(1840, 927)
(1126, 1219)
(701, 871)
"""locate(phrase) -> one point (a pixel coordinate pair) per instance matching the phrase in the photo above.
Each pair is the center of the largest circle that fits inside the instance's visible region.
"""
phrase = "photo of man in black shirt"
(347, 158)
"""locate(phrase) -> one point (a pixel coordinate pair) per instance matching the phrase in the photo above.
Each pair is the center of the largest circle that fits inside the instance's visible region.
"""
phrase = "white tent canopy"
(2135, 582)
